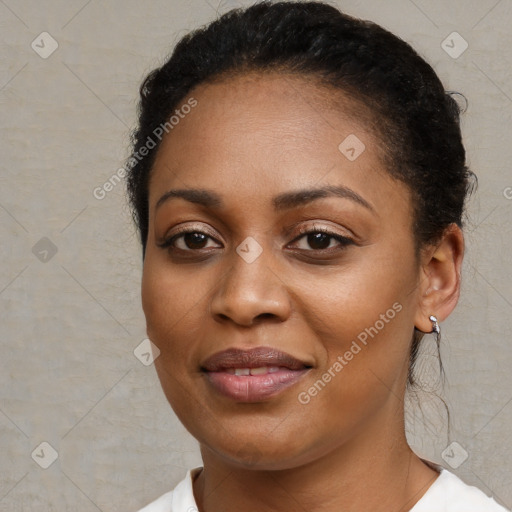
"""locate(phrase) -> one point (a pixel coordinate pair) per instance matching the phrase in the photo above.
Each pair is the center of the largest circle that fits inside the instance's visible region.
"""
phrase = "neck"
(375, 471)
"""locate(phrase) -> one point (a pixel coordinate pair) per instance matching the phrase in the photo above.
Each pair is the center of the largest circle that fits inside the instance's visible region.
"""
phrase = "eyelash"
(342, 240)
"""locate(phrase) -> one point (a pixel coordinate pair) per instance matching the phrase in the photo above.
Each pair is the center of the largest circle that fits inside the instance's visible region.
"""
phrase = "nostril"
(265, 315)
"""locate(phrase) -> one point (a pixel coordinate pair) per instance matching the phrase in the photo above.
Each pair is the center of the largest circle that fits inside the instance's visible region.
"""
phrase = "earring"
(435, 327)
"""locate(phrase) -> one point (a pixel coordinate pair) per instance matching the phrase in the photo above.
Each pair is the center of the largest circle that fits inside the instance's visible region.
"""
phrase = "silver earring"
(435, 327)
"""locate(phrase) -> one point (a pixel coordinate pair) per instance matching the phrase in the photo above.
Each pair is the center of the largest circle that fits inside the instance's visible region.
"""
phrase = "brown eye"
(320, 239)
(194, 240)
(188, 241)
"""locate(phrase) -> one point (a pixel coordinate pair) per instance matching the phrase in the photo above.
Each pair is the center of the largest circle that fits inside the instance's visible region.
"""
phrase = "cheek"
(364, 295)
(169, 314)
(363, 317)
(171, 303)
(169, 297)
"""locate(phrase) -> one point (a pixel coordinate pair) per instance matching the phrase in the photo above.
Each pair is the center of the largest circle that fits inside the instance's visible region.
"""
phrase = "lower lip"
(253, 388)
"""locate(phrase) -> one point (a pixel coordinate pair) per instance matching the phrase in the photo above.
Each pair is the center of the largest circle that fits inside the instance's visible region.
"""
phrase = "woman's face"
(246, 276)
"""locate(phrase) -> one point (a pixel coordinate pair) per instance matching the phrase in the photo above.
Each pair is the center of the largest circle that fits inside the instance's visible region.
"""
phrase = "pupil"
(194, 240)
(316, 239)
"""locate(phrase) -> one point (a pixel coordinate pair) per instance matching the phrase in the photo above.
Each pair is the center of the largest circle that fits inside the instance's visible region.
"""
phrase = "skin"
(249, 139)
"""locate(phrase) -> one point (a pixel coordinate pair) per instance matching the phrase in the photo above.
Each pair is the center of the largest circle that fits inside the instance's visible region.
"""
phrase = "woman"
(298, 179)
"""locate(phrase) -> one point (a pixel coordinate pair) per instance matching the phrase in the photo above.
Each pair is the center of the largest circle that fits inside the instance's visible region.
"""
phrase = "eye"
(320, 239)
(194, 239)
(187, 239)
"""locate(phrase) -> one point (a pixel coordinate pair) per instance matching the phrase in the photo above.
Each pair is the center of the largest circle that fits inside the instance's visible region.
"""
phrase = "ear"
(439, 287)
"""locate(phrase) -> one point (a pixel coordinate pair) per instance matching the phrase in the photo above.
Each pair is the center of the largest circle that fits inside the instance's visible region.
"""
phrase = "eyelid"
(198, 227)
(316, 226)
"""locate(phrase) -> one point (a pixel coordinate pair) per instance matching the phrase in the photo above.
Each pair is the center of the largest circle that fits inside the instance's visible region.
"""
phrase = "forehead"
(258, 133)
(293, 106)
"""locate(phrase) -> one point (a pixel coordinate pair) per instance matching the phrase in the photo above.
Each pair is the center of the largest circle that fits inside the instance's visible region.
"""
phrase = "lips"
(251, 358)
(252, 375)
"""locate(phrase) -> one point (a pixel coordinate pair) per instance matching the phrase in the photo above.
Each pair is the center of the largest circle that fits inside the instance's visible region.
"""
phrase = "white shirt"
(448, 493)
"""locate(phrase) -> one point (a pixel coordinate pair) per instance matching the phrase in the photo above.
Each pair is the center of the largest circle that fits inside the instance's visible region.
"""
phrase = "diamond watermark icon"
(44, 45)
(249, 250)
(454, 45)
(352, 147)
(146, 352)
(44, 250)
(45, 455)
(454, 455)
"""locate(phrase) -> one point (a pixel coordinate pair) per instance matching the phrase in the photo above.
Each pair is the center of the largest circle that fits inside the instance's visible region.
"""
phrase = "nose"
(250, 292)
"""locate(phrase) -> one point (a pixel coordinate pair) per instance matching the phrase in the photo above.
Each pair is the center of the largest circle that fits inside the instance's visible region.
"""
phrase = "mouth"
(253, 375)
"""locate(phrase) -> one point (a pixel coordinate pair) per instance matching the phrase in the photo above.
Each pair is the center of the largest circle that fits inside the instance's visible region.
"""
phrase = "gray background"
(71, 320)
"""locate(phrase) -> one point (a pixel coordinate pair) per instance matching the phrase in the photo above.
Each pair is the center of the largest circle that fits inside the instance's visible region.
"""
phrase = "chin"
(269, 454)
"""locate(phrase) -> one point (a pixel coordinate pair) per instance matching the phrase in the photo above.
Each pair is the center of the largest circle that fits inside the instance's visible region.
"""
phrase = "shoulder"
(449, 493)
(180, 499)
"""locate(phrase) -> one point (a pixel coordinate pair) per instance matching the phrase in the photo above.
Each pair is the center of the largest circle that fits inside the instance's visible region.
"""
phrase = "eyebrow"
(281, 202)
